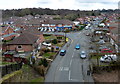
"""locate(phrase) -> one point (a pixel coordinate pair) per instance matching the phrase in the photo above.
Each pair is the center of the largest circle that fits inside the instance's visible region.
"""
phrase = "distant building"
(58, 24)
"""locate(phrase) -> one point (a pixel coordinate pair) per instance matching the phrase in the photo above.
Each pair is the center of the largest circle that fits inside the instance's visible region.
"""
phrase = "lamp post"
(65, 36)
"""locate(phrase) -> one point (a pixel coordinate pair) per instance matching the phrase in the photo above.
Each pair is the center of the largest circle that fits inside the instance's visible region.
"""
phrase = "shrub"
(41, 53)
(43, 62)
(52, 49)
(54, 41)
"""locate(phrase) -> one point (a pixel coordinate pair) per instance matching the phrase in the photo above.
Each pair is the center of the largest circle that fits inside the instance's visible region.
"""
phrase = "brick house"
(8, 33)
(27, 41)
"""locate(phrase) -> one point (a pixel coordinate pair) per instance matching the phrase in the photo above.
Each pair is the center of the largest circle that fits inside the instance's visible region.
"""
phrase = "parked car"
(108, 58)
(46, 44)
(101, 42)
(62, 52)
(106, 50)
(88, 34)
(77, 47)
(101, 37)
(83, 54)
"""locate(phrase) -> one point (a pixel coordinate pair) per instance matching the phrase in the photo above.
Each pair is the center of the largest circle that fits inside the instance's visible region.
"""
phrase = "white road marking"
(70, 62)
(61, 68)
(64, 69)
(69, 75)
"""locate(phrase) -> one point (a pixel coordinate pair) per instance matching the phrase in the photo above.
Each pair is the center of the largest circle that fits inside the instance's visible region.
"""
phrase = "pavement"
(71, 68)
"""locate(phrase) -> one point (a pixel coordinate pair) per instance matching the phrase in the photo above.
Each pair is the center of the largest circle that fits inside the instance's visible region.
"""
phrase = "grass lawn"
(7, 63)
(95, 57)
(48, 54)
(59, 44)
(40, 79)
(50, 37)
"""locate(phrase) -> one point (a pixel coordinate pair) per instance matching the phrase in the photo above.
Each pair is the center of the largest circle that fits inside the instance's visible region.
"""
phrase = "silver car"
(83, 54)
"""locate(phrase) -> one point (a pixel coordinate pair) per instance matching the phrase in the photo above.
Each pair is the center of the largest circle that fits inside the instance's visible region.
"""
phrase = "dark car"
(62, 52)
(77, 47)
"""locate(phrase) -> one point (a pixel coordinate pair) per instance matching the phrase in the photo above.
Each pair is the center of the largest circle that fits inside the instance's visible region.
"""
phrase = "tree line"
(64, 13)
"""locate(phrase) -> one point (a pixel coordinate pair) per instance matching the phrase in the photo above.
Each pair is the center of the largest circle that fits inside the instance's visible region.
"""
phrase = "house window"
(19, 46)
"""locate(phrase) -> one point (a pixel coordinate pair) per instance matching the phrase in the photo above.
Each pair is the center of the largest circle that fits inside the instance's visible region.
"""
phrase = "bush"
(52, 49)
(45, 50)
(67, 31)
(41, 53)
(43, 62)
(46, 35)
(54, 41)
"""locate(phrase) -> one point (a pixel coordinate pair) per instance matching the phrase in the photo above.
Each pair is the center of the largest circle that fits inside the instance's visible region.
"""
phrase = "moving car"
(62, 52)
(108, 58)
(83, 54)
(77, 47)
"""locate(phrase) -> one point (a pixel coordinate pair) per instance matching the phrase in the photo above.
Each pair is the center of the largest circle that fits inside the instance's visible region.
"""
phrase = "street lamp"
(65, 36)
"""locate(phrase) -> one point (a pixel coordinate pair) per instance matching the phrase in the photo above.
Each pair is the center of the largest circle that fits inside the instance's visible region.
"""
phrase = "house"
(8, 33)
(7, 30)
(27, 41)
(58, 24)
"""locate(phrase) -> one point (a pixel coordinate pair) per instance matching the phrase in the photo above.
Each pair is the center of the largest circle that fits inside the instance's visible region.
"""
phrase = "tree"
(93, 14)
(52, 49)
(54, 41)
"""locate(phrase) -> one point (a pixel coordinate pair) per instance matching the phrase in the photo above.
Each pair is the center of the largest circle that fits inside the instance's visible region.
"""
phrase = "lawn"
(50, 37)
(40, 79)
(48, 54)
(59, 44)
(7, 63)
(95, 57)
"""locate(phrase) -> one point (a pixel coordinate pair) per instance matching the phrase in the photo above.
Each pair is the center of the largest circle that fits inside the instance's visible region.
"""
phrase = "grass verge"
(48, 54)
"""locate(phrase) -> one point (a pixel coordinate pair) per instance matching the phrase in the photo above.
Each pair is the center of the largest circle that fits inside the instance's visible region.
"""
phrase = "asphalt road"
(71, 68)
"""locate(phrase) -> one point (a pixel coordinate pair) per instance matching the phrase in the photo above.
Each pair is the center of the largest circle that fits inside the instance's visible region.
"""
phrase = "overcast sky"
(60, 4)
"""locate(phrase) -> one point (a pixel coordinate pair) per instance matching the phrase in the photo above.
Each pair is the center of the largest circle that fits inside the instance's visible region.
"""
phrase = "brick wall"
(25, 48)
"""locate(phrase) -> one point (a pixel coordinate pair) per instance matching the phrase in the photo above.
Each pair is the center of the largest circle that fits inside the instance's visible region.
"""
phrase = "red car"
(105, 50)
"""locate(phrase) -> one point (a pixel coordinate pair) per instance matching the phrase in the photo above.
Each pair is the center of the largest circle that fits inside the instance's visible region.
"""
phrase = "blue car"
(77, 47)
(62, 52)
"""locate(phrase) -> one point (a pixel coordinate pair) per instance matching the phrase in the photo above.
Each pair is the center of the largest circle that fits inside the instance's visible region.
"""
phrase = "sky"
(60, 4)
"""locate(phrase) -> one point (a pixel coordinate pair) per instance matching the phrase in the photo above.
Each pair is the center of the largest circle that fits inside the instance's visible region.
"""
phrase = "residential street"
(71, 68)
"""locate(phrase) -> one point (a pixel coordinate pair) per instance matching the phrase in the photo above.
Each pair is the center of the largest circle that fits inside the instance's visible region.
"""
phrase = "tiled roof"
(64, 21)
(24, 38)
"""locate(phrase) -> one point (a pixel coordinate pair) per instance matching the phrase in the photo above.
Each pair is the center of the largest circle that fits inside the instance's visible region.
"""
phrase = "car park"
(62, 52)
(83, 54)
(77, 47)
